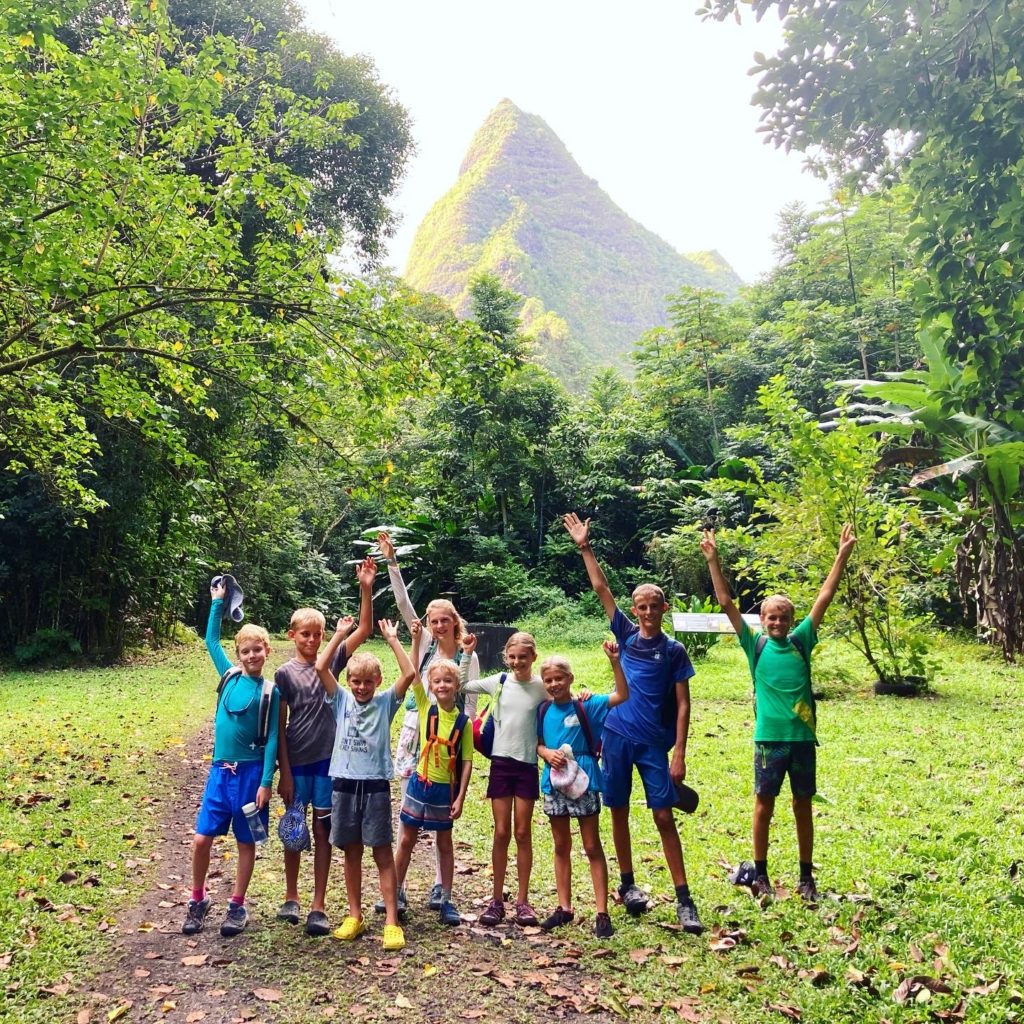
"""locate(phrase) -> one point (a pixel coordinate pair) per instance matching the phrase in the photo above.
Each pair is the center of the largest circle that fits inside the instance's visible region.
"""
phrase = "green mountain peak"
(523, 209)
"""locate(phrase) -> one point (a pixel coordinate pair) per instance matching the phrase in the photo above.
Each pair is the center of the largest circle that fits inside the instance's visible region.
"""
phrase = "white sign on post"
(708, 622)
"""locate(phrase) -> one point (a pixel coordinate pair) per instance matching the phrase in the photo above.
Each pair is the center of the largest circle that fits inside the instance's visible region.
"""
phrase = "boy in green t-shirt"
(779, 656)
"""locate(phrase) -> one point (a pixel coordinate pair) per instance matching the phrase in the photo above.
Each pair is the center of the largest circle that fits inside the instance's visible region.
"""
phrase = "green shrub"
(503, 593)
(569, 624)
(48, 648)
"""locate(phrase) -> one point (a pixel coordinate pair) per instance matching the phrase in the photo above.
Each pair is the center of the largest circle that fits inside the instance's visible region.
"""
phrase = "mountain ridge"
(522, 208)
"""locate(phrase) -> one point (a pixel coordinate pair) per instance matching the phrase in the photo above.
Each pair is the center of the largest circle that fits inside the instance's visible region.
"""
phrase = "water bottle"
(252, 816)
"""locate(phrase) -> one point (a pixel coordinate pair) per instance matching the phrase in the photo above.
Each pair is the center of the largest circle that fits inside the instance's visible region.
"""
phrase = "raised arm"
(621, 691)
(366, 573)
(220, 660)
(405, 607)
(389, 630)
(847, 542)
(579, 530)
(709, 549)
(326, 656)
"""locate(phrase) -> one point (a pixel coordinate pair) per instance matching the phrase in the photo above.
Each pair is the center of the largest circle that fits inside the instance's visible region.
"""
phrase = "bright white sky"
(652, 102)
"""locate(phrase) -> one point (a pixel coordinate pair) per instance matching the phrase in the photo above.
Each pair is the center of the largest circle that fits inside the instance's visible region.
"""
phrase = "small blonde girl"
(514, 786)
(436, 793)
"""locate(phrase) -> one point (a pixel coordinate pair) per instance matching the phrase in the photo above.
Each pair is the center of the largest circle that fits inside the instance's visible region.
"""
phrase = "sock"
(239, 901)
(761, 868)
(199, 894)
(806, 870)
(627, 880)
(683, 894)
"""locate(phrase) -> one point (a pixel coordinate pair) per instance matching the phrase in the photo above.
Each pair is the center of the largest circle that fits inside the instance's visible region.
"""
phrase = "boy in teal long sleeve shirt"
(242, 771)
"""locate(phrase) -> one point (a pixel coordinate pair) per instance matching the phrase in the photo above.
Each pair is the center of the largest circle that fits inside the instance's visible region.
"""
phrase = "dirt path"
(275, 973)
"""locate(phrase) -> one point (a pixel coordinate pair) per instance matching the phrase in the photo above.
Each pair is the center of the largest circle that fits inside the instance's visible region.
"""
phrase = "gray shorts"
(558, 805)
(361, 812)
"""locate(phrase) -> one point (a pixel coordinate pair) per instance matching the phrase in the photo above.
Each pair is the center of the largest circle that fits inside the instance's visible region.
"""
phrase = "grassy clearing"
(919, 829)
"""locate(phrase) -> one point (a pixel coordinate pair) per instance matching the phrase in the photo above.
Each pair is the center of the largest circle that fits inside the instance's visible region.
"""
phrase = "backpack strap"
(430, 652)
(762, 642)
(266, 703)
(232, 672)
(434, 742)
(593, 749)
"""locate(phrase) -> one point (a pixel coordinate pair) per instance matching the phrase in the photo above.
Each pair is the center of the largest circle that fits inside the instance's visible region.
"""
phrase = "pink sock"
(237, 900)
(199, 894)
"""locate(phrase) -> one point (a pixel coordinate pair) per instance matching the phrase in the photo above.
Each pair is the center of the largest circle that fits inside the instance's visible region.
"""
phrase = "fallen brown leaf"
(268, 995)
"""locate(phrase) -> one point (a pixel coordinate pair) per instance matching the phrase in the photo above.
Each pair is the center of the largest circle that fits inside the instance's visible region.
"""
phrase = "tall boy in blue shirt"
(641, 732)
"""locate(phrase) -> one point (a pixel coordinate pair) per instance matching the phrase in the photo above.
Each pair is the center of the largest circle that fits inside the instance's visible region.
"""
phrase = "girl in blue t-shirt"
(562, 723)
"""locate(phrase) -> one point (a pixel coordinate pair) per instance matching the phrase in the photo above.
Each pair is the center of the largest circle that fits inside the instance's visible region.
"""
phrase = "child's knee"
(202, 843)
(764, 806)
(503, 833)
(593, 849)
(524, 834)
(663, 820)
(321, 824)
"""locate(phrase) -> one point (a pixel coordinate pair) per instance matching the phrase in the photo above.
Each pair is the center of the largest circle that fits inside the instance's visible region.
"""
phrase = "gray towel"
(233, 598)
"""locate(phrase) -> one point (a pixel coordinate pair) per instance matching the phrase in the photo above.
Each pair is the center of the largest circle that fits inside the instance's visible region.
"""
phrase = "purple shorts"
(510, 777)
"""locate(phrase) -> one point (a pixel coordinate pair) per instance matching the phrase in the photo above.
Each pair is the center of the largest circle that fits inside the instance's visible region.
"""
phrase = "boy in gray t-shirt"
(361, 773)
(307, 739)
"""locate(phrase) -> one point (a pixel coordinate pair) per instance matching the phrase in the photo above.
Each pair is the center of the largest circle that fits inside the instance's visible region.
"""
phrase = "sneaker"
(235, 920)
(808, 890)
(289, 911)
(351, 928)
(744, 874)
(434, 899)
(557, 919)
(634, 899)
(493, 914)
(449, 914)
(762, 888)
(317, 923)
(394, 938)
(379, 907)
(196, 916)
(603, 926)
(526, 916)
(686, 915)
(403, 903)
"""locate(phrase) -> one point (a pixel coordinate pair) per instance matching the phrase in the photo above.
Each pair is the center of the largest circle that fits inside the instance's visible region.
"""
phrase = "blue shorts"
(229, 787)
(618, 758)
(313, 784)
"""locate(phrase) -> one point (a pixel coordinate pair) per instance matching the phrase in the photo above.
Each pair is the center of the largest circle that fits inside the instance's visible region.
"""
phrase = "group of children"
(333, 747)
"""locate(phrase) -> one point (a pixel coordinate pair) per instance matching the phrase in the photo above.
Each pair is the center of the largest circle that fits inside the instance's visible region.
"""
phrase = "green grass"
(918, 826)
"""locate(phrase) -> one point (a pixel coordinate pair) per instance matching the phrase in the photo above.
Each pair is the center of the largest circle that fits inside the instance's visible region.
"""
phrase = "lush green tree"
(933, 94)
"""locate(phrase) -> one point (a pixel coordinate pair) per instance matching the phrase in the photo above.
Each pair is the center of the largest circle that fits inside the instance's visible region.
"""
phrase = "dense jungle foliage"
(190, 386)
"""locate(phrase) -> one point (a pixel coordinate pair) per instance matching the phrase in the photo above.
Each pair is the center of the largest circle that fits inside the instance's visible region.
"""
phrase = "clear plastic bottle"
(252, 816)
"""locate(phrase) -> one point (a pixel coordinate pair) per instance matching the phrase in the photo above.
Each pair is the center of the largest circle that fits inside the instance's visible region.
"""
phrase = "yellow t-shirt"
(437, 767)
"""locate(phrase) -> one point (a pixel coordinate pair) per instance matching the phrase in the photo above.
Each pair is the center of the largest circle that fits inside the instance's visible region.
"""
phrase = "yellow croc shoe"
(349, 929)
(394, 938)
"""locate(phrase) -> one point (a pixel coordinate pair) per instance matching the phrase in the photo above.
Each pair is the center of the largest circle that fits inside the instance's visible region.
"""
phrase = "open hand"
(387, 548)
(366, 571)
(579, 529)
(388, 629)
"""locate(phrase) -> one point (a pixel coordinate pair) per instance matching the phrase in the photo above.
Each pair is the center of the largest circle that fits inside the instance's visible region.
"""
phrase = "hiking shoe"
(195, 917)
(449, 914)
(289, 911)
(808, 890)
(762, 888)
(403, 902)
(318, 923)
(526, 916)
(634, 899)
(557, 919)
(603, 926)
(394, 938)
(434, 899)
(493, 914)
(379, 907)
(351, 928)
(744, 874)
(235, 920)
(686, 915)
